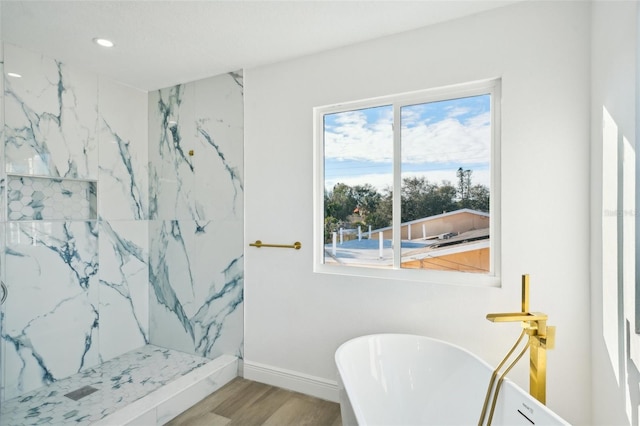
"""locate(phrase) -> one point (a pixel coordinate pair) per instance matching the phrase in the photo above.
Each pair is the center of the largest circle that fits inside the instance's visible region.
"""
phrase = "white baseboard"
(292, 380)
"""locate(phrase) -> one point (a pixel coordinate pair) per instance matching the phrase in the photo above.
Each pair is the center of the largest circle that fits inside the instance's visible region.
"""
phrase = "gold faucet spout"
(517, 316)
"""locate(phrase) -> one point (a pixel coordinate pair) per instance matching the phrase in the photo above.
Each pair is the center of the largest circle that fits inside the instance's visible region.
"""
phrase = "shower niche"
(50, 198)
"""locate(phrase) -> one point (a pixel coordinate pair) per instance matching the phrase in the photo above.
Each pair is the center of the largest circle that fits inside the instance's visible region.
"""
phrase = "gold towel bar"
(297, 245)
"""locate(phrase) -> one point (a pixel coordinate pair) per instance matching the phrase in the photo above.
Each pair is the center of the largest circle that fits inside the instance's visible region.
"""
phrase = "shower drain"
(81, 393)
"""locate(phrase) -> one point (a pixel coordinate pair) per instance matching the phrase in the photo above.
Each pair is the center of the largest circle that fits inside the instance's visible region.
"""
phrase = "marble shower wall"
(51, 117)
(2, 213)
(205, 117)
(159, 261)
(196, 216)
(52, 312)
(123, 168)
(2, 176)
(123, 212)
(77, 275)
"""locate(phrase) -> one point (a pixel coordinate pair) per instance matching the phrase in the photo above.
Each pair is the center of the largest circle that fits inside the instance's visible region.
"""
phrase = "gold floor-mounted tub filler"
(541, 338)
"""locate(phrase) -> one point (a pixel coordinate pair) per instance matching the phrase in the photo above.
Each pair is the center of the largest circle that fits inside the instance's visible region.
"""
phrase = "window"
(407, 185)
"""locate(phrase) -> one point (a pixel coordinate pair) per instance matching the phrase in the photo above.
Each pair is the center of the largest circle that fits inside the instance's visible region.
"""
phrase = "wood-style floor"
(245, 403)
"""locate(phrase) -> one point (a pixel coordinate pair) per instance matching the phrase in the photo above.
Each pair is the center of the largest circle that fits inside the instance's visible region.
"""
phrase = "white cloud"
(413, 115)
(457, 111)
(352, 138)
(445, 141)
(448, 141)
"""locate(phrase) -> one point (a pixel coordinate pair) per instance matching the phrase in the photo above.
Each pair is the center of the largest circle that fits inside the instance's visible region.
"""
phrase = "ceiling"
(163, 43)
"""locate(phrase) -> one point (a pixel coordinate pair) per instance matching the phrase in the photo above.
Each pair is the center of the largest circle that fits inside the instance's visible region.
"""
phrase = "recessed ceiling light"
(103, 42)
(14, 74)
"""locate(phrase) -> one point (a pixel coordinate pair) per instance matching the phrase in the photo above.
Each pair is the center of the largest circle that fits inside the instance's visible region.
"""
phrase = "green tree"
(414, 198)
(348, 207)
(340, 202)
(331, 225)
(464, 187)
(479, 197)
(421, 198)
(367, 198)
(381, 217)
(444, 198)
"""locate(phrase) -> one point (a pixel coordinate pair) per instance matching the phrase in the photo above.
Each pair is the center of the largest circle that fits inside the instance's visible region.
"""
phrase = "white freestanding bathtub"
(401, 379)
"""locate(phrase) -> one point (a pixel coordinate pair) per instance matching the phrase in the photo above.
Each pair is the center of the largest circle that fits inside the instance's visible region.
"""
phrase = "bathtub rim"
(357, 410)
(341, 348)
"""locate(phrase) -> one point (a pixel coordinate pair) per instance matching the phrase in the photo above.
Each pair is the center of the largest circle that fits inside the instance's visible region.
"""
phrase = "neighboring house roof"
(464, 237)
(473, 256)
(472, 240)
(455, 241)
(436, 217)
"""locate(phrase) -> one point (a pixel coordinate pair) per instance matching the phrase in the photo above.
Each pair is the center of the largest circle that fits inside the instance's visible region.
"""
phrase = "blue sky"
(437, 139)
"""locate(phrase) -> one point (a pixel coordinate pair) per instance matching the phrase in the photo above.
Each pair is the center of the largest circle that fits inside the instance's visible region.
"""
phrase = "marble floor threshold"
(149, 385)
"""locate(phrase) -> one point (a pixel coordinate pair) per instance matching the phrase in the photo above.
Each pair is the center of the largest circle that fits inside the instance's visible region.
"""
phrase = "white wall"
(295, 319)
(615, 346)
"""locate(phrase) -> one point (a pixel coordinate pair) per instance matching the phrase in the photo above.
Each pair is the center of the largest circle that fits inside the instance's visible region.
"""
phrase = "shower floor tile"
(119, 382)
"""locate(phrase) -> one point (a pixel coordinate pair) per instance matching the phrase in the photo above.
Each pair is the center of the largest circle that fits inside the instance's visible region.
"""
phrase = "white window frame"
(492, 279)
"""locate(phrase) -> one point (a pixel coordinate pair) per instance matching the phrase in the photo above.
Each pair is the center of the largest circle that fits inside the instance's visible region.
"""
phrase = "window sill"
(413, 275)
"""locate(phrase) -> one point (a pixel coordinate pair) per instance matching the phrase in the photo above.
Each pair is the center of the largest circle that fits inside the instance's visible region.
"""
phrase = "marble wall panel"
(196, 302)
(2, 212)
(2, 315)
(50, 328)
(171, 168)
(219, 147)
(50, 117)
(205, 117)
(196, 202)
(123, 161)
(2, 174)
(217, 251)
(124, 287)
(83, 292)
